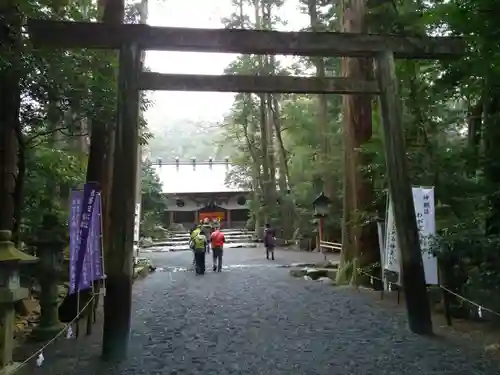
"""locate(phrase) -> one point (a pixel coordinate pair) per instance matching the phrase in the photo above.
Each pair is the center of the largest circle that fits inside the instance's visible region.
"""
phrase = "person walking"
(206, 229)
(216, 223)
(269, 241)
(217, 240)
(196, 230)
(199, 249)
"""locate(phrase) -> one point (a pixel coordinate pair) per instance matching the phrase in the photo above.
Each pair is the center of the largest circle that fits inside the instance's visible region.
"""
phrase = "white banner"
(137, 222)
(423, 200)
(392, 256)
(428, 232)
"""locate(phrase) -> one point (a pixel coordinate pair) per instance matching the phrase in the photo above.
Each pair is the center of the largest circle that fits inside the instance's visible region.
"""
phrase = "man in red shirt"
(217, 240)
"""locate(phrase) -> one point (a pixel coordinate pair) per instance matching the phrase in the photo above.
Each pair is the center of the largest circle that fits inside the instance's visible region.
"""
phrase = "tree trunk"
(281, 146)
(270, 68)
(474, 124)
(264, 138)
(10, 102)
(322, 112)
(357, 121)
(286, 206)
(492, 154)
(264, 142)
(271, 144)
(249, 131)
(257, 182)
(102, 128)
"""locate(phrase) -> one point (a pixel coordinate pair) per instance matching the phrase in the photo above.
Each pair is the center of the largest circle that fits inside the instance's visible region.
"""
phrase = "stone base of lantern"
(16, 368)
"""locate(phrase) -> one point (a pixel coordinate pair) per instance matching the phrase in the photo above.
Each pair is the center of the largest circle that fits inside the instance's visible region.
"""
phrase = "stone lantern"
(321, 206)
(51, 238)
(10, 292)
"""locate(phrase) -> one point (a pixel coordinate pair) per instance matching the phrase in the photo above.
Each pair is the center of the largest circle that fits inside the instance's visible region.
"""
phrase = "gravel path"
(259, 320)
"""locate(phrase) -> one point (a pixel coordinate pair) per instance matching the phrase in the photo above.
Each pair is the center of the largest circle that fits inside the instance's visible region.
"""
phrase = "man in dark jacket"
(206, 229)
(269, 241)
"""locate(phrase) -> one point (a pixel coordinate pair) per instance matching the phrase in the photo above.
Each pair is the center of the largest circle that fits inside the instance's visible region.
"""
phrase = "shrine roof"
(203, 178)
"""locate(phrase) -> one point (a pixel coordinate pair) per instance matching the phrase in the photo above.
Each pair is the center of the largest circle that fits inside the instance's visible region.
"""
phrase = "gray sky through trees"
(196, 106)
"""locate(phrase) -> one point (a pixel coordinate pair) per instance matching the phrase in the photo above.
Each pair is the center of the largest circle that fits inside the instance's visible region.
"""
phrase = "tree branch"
(52, 131)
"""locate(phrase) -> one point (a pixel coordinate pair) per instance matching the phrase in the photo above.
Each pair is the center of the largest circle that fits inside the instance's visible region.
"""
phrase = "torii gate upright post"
(119, 270)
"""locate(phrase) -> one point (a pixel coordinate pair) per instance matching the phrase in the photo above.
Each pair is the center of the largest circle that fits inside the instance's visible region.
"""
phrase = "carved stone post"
(51, 239)
(10, 293)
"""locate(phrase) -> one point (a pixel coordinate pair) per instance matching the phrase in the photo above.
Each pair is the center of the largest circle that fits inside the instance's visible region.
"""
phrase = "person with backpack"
(206, 229)
(192, 234)
(199, 249)
(217, 240)
(269, 241)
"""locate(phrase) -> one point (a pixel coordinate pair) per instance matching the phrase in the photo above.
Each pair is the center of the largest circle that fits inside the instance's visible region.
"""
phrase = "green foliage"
(153, 201)
(61, 92)
(50, 174)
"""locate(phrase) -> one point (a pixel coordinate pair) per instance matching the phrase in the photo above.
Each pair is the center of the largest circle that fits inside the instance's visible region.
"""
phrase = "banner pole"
(77, 320)
(103, 273)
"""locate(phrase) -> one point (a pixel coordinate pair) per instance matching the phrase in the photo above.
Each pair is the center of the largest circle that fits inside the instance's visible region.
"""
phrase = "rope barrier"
(480, 308)
(59, 334)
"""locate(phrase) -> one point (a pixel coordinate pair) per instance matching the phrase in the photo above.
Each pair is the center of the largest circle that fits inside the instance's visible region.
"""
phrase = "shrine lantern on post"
(11, 293)
(321, 206)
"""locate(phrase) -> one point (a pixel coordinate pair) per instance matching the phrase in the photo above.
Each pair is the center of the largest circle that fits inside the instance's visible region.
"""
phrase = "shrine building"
(198, 189)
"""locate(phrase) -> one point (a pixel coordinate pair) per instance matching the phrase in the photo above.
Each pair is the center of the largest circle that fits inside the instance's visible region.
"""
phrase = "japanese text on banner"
(91, 264)
(423, 200)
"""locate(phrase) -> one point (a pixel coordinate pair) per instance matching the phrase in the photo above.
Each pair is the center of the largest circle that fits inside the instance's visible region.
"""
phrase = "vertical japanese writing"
(423, 199)
(73, 225)
(97, 271)
(391, 258)
(85, 239)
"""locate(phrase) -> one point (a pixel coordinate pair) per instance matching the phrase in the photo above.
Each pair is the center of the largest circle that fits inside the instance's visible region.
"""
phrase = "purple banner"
(88, 200)
(85, 253)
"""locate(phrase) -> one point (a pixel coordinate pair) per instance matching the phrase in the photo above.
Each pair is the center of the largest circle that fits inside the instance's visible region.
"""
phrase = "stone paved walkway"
(259, 320)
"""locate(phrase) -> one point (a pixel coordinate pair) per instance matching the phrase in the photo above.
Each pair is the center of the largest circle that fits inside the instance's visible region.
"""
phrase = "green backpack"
(199, 242)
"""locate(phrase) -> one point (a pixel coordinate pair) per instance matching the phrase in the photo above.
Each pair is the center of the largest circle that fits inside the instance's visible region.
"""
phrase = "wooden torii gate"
(130, 40)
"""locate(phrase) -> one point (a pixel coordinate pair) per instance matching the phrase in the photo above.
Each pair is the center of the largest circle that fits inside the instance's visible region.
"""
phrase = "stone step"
(225, 231)
(230, 233)
(228, 238)
(188, 237)
(186, 242)
(185, 247)
(181, 239)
